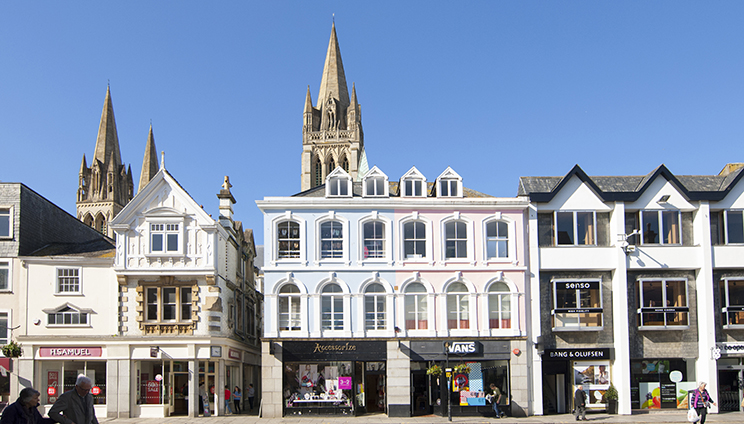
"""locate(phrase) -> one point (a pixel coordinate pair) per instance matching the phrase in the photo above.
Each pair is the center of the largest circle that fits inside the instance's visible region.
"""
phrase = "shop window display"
(595, 378)
(318, 385)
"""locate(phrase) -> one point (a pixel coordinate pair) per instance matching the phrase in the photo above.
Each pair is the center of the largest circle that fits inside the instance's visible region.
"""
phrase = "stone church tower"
(332, 133)
(106, 186)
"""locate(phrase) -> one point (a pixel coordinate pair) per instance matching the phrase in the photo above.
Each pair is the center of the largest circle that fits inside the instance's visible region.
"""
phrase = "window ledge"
(663, 328)
(567, 329)
(9, 291)
(734, 327)
(76, 294)
(165, 255)
(69, 326)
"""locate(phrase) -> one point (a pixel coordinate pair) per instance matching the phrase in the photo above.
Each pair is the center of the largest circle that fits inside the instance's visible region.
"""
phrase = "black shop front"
(485, 362)
(334, 377)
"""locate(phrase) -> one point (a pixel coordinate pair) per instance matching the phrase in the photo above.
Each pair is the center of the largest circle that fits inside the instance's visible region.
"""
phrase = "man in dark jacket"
(580, 403)
(23, 410)
(75, 406)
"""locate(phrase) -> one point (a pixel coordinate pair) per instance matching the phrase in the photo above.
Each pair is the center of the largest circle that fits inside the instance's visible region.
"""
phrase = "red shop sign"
(95, 390)
(70, 352)
(51, 391)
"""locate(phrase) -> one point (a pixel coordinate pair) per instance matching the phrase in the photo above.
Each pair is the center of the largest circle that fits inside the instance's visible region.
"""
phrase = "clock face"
(216, 351)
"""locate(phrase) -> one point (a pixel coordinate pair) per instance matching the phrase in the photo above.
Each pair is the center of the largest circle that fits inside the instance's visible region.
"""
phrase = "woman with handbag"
(700, 400)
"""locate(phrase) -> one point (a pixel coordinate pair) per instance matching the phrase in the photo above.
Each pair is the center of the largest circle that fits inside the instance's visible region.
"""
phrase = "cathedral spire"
(308, 102)
(149, 162)
(333, 83)
(107, 143)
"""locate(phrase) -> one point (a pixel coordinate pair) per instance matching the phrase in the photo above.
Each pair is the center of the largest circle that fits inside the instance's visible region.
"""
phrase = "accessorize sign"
(334, 350)
(70, 352)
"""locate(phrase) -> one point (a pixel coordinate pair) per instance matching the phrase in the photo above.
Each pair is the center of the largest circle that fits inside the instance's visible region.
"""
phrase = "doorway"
(729, 389)
(181, 394)
(420, 400)
(375, 384)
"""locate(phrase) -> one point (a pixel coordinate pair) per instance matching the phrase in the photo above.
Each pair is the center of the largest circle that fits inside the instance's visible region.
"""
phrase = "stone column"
(706, 368)
(620, 376)
(398, 380)
(272, 376)
(534, 361)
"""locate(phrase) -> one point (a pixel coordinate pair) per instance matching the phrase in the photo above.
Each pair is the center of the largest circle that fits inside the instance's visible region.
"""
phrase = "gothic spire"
(149, 162)
(84, 165)
(308, 102)
(107, 144)
(334, 80)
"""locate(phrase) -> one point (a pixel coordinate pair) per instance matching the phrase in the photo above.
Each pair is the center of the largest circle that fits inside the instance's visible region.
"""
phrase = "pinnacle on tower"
(149, 162)
(107, 142)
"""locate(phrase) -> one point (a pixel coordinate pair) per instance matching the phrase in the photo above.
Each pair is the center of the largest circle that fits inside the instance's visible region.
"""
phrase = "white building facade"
(366, 281)
(638, 282)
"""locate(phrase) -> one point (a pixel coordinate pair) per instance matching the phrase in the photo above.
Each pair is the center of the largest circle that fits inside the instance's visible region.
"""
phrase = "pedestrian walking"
(701, 401)
(251, 395)
(237, 396)
(580, 403)
(23, 410)
(227, 401)
(495, 397)
(75, 406)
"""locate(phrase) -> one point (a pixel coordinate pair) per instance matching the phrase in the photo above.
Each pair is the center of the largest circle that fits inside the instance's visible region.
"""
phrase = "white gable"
(733, 200)
(449, 173)
(375, 172)
(661, 187)
(576, 195)
(413, 173)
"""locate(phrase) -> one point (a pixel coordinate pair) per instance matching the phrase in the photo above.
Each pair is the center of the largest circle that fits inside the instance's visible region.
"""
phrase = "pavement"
(597, 418)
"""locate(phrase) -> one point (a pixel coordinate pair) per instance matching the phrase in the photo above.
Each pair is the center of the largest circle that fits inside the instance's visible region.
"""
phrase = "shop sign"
(577, 354)
(329, 350)
(95, 390)
(462, 348)
(729, 348)
(70, 352)
(233, 354)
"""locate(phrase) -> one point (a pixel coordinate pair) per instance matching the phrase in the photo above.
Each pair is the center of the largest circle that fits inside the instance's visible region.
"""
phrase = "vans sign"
(462, 348)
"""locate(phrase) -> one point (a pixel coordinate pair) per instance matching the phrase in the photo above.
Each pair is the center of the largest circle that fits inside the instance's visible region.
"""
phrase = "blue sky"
(496, 90)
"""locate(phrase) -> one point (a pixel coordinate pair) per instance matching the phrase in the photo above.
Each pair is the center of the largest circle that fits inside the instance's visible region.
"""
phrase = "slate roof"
(629, 188)
(394, 190)
(98, 248)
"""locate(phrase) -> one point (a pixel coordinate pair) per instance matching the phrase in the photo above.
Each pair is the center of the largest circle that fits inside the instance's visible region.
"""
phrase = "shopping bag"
(692, 416)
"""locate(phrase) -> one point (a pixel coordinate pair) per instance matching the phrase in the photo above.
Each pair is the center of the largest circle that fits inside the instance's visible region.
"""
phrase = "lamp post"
(448, 374)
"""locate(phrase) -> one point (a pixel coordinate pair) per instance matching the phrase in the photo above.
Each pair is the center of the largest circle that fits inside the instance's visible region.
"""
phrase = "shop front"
(730, 375)
(661, 383)
(59, 366)
(334, 377)
(566, 369)
(468, 369)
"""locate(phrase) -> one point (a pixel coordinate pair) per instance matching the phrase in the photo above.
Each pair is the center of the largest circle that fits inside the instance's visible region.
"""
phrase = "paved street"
(600, 418)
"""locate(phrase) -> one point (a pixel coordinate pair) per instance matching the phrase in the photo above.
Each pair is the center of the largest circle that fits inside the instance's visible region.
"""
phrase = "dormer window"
(6, 223)
(375, 183)
(68, 315)
(449, 184)
(338, 184)
(413, 184)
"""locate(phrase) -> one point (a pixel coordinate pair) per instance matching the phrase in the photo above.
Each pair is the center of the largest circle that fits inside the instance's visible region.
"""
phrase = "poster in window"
(583, 374)
(683, 390)
(308, 375)
(650, 394)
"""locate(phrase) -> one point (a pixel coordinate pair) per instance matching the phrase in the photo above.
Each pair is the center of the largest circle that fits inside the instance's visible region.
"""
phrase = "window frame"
(7, 264)
(289, 240)
(469, 239)
(10, 212)
(575, 228)
(578, 310)
(334, 180)
(77, 311)
(288, 216)
(726, 307)
(58, 291)
(662, 310)
(660, 225)
(387, 242)
(449, 183)
(375, 175)
(459, 298)
(178, 305)
(510, 248)
(379, 297)
(428, 245)
(292, 317)
(340, 296)
(500, 295)
(5, 340)
(344, 257)
(726, 226)
(417, 296)
(179, 232)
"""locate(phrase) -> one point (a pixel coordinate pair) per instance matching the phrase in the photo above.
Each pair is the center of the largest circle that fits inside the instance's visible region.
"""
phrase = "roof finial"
(334, 18)
(108, 83)
(162, 160)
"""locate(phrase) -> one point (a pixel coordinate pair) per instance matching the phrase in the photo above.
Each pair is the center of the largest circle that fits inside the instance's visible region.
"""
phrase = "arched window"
(414, 240)
(497, 239)
(289, 308)
(331, 308)
(345, 164)
(499, 306)
(374, 239)
(318, 172)
(458, 307)
(416, 308)
(456, 239)
(374, 307)
(331, 240)
(331, 165)
(288, 240)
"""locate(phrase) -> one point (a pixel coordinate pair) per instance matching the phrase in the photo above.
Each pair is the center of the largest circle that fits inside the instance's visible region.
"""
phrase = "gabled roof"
(374, 172)
(449, 173)
(140, 203)
(413, 173)
(97, 248)
(630, 188)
